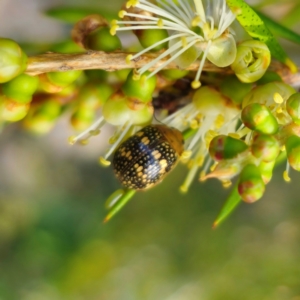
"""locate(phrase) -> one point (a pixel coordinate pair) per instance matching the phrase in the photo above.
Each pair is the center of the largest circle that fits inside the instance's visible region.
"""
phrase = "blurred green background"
(53, 244)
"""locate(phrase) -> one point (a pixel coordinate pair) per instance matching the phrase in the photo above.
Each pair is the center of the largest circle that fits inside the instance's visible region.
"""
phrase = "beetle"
(144, 159)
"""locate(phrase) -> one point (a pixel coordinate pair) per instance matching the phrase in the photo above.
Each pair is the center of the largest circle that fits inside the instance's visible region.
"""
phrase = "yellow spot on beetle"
(145, 140)
(156, 154)
(141, 133)
(163, 163)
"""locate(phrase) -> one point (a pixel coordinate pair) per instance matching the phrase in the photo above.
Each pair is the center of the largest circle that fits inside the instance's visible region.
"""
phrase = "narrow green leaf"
(128, 194)
(230, 204)
(279, 29)
(188, 133)
(256, 28)
(292, 18)
(74, 14)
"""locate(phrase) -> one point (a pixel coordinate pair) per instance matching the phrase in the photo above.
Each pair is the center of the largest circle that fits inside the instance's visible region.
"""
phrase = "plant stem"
(57, 62)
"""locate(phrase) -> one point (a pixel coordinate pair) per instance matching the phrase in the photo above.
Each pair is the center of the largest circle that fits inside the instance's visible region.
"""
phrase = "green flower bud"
(142, 89)
(266, 170)
(42, 116)
(292, 146)
(226, 147)
(21, 88)
(286, 131)
(293, 107)
(82, 118)
(211, 103)
(98, 74)
(102, 40)
(148, 38)
(234, 89)
(67, 46)
(173, 74)
(252, 60)
(93, 95)
(13, 61)
(12, 111)
(258, 117)
(122, 74)
(120, 109)
(63, 79)
(264, 94)
(251, 186)
(265, 147)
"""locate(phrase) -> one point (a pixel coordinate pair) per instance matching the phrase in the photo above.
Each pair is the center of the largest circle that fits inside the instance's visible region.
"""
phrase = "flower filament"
(190, 28)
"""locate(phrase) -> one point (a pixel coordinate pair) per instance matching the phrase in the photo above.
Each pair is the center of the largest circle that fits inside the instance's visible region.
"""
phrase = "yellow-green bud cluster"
(16, 97)
(13, 60)
(270, 125)
(132, 103)
(90, 99)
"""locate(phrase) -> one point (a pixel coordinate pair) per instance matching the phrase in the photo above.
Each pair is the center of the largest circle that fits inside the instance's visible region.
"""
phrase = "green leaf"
(121, 201)
(230, 204)
(74, 14)
(188, 133)
(280, 30)
(256, 28)
(292, 17)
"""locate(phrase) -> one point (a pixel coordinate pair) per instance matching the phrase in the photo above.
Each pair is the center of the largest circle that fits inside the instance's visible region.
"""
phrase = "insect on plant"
(236, 117)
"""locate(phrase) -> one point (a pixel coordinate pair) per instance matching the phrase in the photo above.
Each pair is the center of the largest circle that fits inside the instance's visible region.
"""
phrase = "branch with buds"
(54, 62)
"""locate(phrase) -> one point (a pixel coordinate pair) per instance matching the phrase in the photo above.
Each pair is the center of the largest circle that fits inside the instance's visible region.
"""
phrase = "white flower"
(193, 32)
(208, 115)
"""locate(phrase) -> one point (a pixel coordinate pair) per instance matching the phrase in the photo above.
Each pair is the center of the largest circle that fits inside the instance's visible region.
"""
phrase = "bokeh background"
(53, 244)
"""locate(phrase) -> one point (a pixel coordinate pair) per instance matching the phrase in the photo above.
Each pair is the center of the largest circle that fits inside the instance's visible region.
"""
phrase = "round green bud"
(97, 74)
(67, 47)
(212, 103)
(293, 107)
(82, 118)
(266, 170)
(142, 89)
(224, 147)
(50, 109)
(120, 109)
(42, 116)
(258, 117)
(13, 60)
(251, 186)
(102, 40)
(63, 78)
(93, 95)
(264, 94)
(234, 89)
(174, 74)
(68, 92)
(122, 74)
(149, 37)
(286, 131)
(12, 111)
(265, 147)
(252, 60)
(21, 88)
(292, 146)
